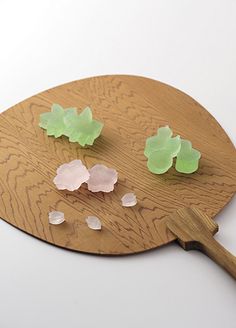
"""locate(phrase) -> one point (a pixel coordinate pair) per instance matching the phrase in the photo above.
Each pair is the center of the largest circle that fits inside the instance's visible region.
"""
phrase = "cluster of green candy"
(162, 148)
(78, 128)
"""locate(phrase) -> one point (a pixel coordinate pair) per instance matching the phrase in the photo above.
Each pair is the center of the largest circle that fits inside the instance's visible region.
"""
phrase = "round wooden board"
(132, 108)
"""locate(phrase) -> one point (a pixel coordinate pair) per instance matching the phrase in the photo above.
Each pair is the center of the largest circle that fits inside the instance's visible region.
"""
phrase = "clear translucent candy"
(56, 217)
(129, 200)
(71, 175)
(102, 178)
(93, 223)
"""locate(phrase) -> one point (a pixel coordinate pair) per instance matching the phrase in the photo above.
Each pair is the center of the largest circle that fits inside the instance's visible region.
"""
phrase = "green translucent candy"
(82, 128)
(163, 140)
(78, 128)
(188, 158)
(53, 121)
(159, 161)
(161, 149)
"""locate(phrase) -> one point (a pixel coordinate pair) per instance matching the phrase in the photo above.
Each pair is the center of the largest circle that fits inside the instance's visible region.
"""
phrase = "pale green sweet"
(82, 128)
(162, 148)
(187, 158)
(53, 121)
(158, 141)
(173, 146)
(162, 140)
(160, 161)
(79, 128)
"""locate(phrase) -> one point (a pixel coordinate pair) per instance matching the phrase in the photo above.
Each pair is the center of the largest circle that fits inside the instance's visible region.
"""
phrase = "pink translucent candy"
(56, 217)
(93, 223)
(71, 175)
(102, 178)
(129, 200)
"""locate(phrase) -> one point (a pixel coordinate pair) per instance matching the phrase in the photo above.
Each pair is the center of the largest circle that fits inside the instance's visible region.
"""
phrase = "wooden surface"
(132, 108)
(195, 230)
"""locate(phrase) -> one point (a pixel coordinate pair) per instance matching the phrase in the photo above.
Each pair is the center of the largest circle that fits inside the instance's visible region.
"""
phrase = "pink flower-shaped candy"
(71, 175)
(102, 178)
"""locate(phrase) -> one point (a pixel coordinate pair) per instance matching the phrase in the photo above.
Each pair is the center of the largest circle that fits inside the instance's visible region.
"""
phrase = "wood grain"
(195, 230)
(132, 108)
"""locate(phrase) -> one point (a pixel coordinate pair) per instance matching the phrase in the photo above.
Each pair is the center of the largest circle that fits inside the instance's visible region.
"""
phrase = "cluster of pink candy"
(72, 175)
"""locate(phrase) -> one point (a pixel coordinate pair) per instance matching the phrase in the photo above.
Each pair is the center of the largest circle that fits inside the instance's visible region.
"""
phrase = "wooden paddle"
(170, 206)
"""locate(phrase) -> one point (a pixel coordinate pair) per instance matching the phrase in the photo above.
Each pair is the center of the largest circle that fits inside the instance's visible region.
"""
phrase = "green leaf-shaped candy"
(82, 128)
(53, 121)
(187, 158)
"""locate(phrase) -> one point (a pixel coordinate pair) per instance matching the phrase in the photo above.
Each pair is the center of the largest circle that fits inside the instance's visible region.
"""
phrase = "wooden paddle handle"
(195, 230)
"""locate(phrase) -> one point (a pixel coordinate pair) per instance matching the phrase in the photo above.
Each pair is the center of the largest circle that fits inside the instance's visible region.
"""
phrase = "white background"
(188, 44)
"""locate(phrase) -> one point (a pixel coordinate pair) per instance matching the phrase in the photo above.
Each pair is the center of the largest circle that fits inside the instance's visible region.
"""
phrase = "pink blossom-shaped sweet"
(102, 178)
(71, 175)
